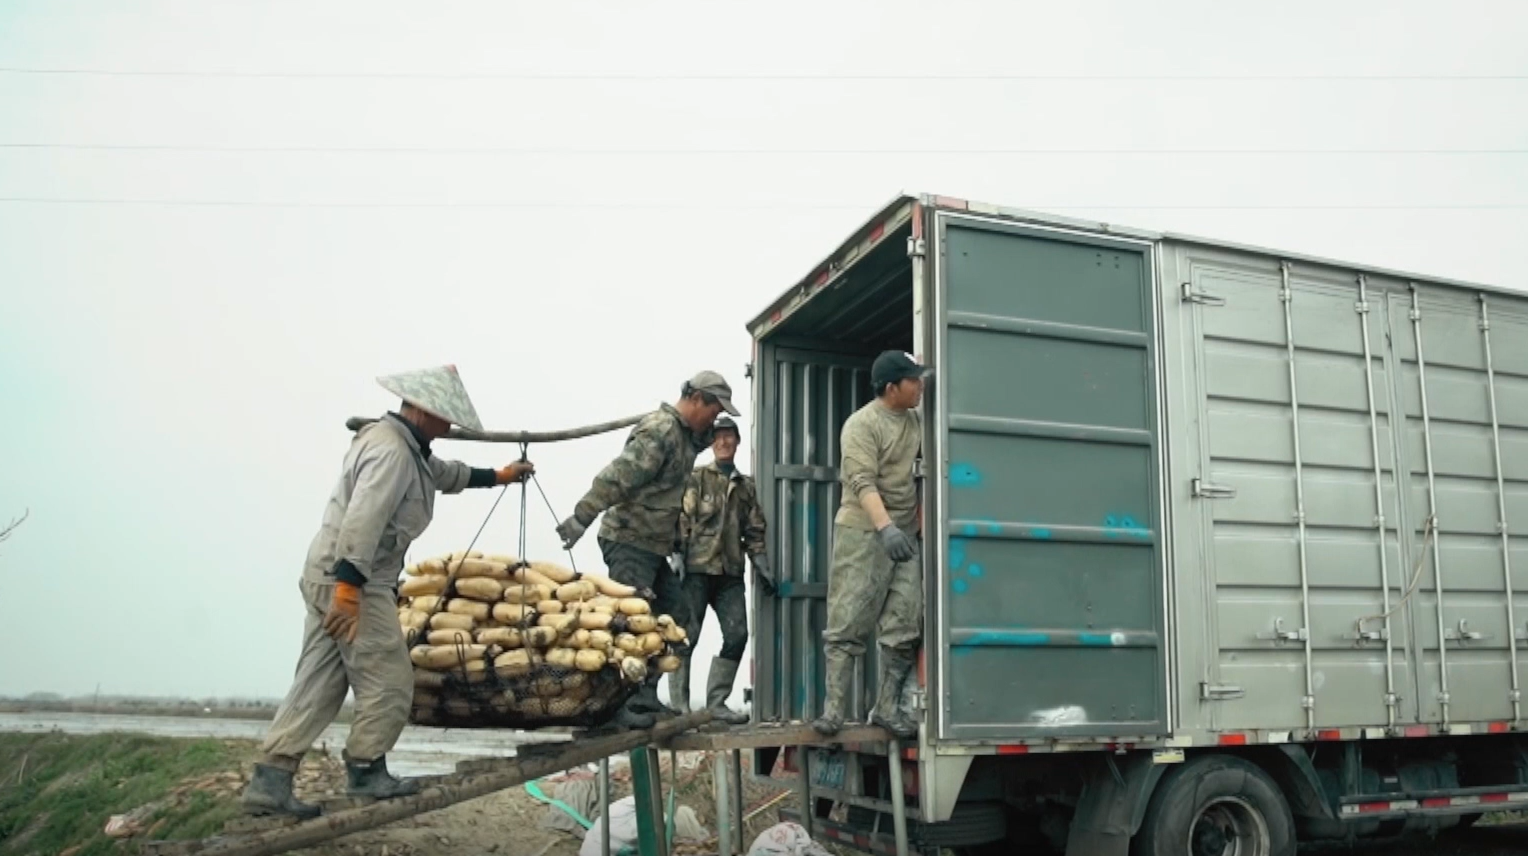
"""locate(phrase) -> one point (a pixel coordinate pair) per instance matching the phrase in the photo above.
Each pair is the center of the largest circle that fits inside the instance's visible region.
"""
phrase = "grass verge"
(58, 791)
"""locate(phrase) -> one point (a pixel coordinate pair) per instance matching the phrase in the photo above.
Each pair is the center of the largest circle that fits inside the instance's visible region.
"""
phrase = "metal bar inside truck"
(1223, 546)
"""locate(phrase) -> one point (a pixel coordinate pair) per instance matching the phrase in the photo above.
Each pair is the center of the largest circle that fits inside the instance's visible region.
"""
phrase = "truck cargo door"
(1049, 580)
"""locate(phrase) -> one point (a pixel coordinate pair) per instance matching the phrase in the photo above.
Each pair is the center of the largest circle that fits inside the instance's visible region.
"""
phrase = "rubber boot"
(888, 712)
(679, 687)
(270, 792)
(371, 779)
(840, 668)
(718, 687)
(646, 700)
(626, 719)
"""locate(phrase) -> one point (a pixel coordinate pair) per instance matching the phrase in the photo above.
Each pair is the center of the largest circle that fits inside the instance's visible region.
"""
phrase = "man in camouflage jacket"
(720, 524)
(640, 493)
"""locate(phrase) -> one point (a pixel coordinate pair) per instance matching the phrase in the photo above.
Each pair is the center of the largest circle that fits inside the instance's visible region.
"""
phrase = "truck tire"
(1216, 805)
(971, 824)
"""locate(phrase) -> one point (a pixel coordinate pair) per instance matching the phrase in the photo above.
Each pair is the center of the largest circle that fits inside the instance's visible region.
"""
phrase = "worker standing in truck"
(384, 499)
(640, 494)
(720, 524)
(875, 579)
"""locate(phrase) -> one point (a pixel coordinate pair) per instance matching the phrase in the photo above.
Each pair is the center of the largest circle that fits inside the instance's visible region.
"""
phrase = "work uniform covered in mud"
(721, 525)
(866, 589)
(384, 499)
(869, 591)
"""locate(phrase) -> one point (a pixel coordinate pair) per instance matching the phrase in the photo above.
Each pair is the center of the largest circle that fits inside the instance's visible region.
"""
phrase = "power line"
(748, 152)
(771, 77)
(699, 206)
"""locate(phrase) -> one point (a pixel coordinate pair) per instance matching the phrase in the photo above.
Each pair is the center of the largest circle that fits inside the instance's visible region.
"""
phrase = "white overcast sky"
(203, 270)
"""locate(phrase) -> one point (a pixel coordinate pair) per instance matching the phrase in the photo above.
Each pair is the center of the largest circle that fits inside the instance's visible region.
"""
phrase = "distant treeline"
(139, 706)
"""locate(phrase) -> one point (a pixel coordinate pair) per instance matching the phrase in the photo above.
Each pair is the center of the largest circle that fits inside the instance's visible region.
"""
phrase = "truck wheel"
(1216, 805)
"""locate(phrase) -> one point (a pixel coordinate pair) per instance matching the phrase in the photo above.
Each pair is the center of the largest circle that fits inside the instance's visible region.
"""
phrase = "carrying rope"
(1429, 533)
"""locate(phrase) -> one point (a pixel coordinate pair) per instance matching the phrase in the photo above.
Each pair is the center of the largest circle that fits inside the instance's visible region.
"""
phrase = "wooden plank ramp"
(766, 734)
(347, 817)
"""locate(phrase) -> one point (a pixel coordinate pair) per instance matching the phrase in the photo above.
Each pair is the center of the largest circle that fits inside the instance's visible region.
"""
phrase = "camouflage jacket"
(721, 523)
(640, 491)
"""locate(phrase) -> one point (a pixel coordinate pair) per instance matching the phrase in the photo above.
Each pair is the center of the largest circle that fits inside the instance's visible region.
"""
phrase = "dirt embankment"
(58, 793)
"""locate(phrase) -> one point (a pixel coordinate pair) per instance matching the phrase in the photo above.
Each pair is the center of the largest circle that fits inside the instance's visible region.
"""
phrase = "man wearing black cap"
(640, 494)
(875, 582)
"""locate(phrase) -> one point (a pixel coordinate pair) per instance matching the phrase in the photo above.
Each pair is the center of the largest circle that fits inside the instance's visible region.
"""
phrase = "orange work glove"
(519, 471)
(344, 615)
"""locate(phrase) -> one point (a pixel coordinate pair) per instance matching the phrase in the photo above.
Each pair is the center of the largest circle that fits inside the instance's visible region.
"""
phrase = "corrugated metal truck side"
(1193, 512)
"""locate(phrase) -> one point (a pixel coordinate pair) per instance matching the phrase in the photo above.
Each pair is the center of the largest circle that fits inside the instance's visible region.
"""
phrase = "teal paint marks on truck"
(957, 553)
(960, 586)
(964, 475)
(1006, 639)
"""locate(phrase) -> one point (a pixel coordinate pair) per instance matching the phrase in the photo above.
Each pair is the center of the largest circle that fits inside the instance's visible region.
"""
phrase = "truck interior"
(814, 372)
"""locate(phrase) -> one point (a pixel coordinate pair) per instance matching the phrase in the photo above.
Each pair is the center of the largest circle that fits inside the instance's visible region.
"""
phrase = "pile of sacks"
(500, 642)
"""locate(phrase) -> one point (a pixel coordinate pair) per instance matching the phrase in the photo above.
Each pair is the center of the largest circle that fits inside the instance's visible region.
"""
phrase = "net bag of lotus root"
(498, 642)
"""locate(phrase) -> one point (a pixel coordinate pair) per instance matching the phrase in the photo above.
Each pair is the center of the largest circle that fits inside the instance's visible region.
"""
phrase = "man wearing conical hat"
(383, 501)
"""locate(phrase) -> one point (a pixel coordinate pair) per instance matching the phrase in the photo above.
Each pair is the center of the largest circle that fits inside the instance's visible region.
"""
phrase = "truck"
(1224, 548)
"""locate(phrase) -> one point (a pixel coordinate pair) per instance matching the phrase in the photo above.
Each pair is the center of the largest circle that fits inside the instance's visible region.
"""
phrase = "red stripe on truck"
(1498, 728)
(1415, 731)
(1013, 749)
(1233, 740)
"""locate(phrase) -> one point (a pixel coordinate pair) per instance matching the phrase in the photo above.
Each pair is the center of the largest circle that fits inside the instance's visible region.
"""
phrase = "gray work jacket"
(384, 499)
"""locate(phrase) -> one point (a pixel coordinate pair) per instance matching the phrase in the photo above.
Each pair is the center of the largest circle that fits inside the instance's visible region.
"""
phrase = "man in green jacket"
(384, 499)
(721, 524)
(640, 493)
(875, 580)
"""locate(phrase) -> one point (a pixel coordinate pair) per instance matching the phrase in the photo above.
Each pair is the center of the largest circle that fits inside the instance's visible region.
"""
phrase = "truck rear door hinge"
(1219, 692)
(1279, 634)
(1204, 298)
(1206, 490)
(917, 248)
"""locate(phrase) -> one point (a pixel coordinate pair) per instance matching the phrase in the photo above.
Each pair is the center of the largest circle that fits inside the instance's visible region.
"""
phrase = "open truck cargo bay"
(1126, 540)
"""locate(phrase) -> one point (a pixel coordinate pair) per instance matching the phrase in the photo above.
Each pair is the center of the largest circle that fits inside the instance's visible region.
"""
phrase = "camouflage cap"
(715, 385)
(438, 392)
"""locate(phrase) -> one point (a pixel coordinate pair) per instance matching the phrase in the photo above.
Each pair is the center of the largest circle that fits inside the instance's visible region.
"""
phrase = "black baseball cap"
(894, 367)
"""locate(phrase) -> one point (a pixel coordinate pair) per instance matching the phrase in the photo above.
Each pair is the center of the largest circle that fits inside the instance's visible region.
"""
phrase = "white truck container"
(1222, 545)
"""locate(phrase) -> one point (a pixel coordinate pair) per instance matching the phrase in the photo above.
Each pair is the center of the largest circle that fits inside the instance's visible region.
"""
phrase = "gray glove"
(897, 544)
(570, 531)
(676, 564)
(765, 573)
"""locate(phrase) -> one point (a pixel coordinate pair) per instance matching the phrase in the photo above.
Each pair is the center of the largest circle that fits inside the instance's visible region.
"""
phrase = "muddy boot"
(679, 687)
(718, 687)
(646, 700)
(626, 719)
(270, 792)
(888, 713)
(840, 667)
(371, 779)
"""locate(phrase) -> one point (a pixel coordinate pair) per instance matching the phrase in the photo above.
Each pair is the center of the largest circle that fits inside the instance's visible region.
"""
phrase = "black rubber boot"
(371, 779)
(840, 667)
(270, 792)
(718, 687)
(888, 712)
(627, 719)
(646, 701)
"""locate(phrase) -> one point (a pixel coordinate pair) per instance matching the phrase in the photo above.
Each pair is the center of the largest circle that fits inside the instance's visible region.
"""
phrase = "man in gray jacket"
(384, 499)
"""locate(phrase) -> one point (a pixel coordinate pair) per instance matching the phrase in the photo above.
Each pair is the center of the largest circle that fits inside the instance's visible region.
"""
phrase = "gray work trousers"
(869, 594)
(376, 665)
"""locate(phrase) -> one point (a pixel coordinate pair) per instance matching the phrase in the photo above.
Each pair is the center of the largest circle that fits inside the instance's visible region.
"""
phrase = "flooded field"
(420, 751)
